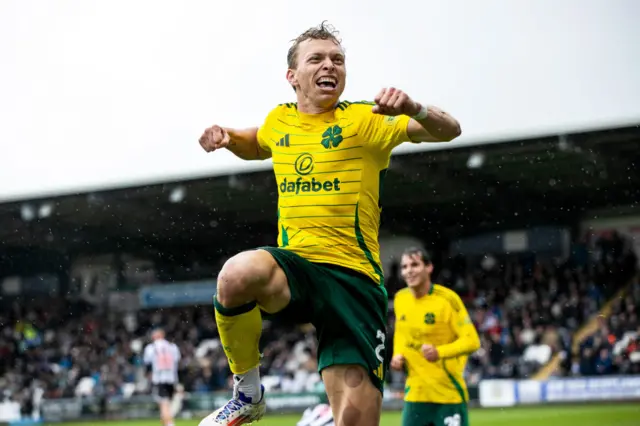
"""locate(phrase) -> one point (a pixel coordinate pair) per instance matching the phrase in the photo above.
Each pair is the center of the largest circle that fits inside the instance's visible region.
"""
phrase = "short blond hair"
(323, 31)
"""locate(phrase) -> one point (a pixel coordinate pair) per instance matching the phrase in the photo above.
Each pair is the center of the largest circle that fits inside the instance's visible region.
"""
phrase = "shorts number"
(380, 348)
(452, 420)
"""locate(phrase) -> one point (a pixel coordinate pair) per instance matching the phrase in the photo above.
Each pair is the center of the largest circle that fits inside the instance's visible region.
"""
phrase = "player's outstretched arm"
(427, 124)
(242, 142)
(432, 124)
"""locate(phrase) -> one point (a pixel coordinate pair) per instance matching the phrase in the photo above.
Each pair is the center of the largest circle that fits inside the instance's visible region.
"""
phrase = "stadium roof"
(457, 191)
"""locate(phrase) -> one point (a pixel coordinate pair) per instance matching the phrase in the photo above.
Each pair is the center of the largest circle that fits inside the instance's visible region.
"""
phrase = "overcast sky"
(97, 94)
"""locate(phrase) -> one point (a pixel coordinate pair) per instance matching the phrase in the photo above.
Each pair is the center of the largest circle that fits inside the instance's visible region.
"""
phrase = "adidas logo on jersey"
(313, 185)
(284, 141)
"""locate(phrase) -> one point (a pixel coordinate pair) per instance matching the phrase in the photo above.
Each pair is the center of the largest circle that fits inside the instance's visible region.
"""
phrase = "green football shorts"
(428, 414)
(347, 308)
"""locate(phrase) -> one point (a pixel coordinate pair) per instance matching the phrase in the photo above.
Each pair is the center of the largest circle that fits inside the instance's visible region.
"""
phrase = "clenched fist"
(430, 353)
(215, 137)
(397, 362)
(394, 102)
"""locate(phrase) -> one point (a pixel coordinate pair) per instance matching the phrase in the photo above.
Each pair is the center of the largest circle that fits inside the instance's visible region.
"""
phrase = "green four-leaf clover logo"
(332, 137)
(430, 318)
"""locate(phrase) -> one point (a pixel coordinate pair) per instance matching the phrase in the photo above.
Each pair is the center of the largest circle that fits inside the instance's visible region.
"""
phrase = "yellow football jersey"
(440, 319)
(330, 170)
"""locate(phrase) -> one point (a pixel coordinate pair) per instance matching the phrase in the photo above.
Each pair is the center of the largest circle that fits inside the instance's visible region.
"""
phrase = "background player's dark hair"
(323, 31)
(424, 255)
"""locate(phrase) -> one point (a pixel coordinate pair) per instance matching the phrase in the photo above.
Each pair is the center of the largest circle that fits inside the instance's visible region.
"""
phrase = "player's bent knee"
(240, 277)
(246, 277)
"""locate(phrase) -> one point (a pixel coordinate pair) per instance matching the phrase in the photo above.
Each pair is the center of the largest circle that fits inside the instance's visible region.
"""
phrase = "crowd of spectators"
(66, 350)
(535, 314)
(525, 308)
(614, 347)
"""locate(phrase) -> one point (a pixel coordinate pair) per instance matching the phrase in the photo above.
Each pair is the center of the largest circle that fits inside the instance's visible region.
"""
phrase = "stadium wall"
(9, 411)
(509, 393)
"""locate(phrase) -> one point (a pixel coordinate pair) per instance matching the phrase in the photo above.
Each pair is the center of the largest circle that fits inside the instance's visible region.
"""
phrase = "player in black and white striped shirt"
(162, 357)
(320, 415)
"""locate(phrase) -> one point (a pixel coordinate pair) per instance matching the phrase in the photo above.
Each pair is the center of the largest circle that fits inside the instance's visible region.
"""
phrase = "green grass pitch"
(602, 414)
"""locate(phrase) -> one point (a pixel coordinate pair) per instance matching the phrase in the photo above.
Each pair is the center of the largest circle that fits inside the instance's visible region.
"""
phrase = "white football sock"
(249, 384)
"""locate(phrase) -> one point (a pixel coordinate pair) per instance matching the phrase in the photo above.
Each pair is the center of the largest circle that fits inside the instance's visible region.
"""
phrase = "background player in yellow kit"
(329, 159)
(433, 338)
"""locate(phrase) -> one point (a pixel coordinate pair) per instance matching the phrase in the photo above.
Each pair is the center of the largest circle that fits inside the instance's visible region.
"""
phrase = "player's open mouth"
(327, 83)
